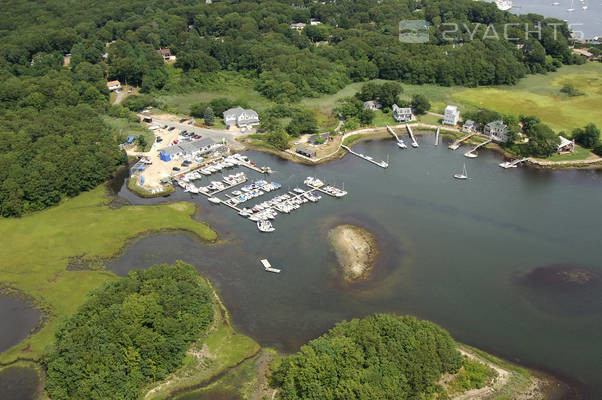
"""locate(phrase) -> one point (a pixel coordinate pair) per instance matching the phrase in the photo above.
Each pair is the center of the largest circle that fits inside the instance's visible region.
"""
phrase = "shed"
(304, 151)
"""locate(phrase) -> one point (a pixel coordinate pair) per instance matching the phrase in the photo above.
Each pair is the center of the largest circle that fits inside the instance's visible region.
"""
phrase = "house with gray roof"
(402, 114)
(192, 148)
(470, 126)
(241, 118)
(497, 130)
(372, 105)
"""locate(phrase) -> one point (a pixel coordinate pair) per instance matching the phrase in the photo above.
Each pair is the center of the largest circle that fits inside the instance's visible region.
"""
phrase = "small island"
(355, 249)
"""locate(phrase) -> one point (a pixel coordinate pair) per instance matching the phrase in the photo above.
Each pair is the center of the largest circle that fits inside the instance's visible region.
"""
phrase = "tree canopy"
(378, 357)
(128, 333)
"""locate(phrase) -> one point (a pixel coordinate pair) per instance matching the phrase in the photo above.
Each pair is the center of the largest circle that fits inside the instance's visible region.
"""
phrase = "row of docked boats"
(331, 190)
(225, 183)
(251, 191)
(191, 176)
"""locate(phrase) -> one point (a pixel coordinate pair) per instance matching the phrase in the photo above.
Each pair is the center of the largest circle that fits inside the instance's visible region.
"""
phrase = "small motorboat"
(265, 226)
(402, 145)
(214, 200)
(470, 154)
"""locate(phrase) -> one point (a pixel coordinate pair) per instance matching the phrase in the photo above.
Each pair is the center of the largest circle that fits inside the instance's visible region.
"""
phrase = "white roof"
(564, 142)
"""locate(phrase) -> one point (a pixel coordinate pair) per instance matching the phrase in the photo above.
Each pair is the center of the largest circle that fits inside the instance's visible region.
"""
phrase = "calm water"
(18, 383)
(17, 320)
(450, 251)
(587, 21)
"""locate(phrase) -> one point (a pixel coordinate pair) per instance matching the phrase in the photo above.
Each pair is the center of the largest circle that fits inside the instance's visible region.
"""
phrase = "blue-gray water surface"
(454, 252)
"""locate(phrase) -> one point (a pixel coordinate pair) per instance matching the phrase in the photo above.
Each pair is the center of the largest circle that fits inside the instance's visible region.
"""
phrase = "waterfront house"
(304, 151)
(192, 148)
(566, 146)
(402, 114)
(113, 85)
(470, 126)
(241, 118)
(373, 105)
(451, 116)
(497, 131)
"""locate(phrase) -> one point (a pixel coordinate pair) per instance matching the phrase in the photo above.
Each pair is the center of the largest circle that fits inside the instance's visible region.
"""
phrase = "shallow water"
(17, 320)
(18, 383)
(450, 251)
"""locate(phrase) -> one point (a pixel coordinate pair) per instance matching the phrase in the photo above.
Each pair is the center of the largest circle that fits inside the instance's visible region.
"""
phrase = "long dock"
(268, 267)
(437, 136)
(414, 142)
(513, 164)
(381, 164)
(456, 144)
(399, 140)
(472, 151)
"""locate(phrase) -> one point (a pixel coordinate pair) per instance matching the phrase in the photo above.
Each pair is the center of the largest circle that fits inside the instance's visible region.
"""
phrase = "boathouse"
(306, 152)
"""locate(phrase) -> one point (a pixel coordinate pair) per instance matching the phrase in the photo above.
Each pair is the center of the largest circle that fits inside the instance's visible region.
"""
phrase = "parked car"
(164, 126)
(175, 141)
(172, 128)
(159, 139)
(176, 168)
(191, 123)
(197, 137)
(183, 120)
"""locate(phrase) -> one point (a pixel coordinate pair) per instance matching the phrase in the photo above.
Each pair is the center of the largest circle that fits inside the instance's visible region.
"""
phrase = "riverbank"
(355, 249)
(55, 257)
(352, 138)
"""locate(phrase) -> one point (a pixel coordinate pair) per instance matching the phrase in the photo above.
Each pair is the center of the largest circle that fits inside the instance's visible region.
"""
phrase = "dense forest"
(378, 357)
(54, 144)
(130, 332)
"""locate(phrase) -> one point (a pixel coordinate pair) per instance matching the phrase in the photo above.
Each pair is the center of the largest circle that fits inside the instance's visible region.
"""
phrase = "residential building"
(241, 118)
(402, 114)
(470, 126)
(304, 151)
(113, 85)
(298, 26)
(314, 21)
(566, 146)
(497, 130)
(192, 148)
(451, 116)
(372, 105)
(166, 54)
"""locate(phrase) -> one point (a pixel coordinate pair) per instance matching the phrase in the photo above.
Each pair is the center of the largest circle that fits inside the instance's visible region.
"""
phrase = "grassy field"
(127, 128)
(37, 249)
(540, 95)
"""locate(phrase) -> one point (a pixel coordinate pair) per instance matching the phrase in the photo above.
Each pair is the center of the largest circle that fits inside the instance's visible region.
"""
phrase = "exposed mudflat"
(356, 251)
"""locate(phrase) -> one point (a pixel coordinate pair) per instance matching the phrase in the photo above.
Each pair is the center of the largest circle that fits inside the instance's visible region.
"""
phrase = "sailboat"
(463, 175)
(572, 6)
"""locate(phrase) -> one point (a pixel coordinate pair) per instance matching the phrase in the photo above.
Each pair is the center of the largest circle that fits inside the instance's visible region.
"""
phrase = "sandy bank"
(355, 249)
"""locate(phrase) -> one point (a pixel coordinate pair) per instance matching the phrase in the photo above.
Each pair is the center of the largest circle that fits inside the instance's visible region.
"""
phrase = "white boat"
(463, 175)
(555, 3)
(214, 200)
(402, 145)
(470, 154)
(265, 226)
(572, 6)
(414, 144)
(503, 5)
(507, 164)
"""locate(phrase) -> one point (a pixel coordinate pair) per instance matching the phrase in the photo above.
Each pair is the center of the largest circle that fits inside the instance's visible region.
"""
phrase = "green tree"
(420, 104)
(588, 137)
(208, 116)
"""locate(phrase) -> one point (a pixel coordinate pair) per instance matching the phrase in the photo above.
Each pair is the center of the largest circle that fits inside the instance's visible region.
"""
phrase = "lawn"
(37, 249)
(126, 128)
(580, 153)
(540, 95)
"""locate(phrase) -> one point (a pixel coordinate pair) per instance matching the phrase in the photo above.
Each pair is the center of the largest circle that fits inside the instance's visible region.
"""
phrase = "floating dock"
(456, 144)
(268, 267)
(382, 164)
(414, 142)
(514, 164)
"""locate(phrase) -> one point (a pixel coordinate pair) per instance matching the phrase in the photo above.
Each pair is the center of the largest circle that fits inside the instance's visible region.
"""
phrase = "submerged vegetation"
(128, 333)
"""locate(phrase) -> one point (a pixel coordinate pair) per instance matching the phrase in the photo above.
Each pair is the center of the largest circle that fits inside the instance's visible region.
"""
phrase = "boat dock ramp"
(414, 142)
(268, 267)
(399, 140)
(471, 153)
(457, 143)
(437, 136)
(382, 164)
(514, 164)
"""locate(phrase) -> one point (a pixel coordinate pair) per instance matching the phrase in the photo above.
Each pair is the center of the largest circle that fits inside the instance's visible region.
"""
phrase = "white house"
(451, 116)
(241, 118)
(402, 114)
(298, 26)
(372, 105)
(566, 146)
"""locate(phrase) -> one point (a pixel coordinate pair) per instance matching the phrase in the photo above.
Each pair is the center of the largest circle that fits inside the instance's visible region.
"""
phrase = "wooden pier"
(382, 164)
(456, 144)
(437, 136)
(514, 164)
(399, 140)
(414, 142)
(472, 151)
